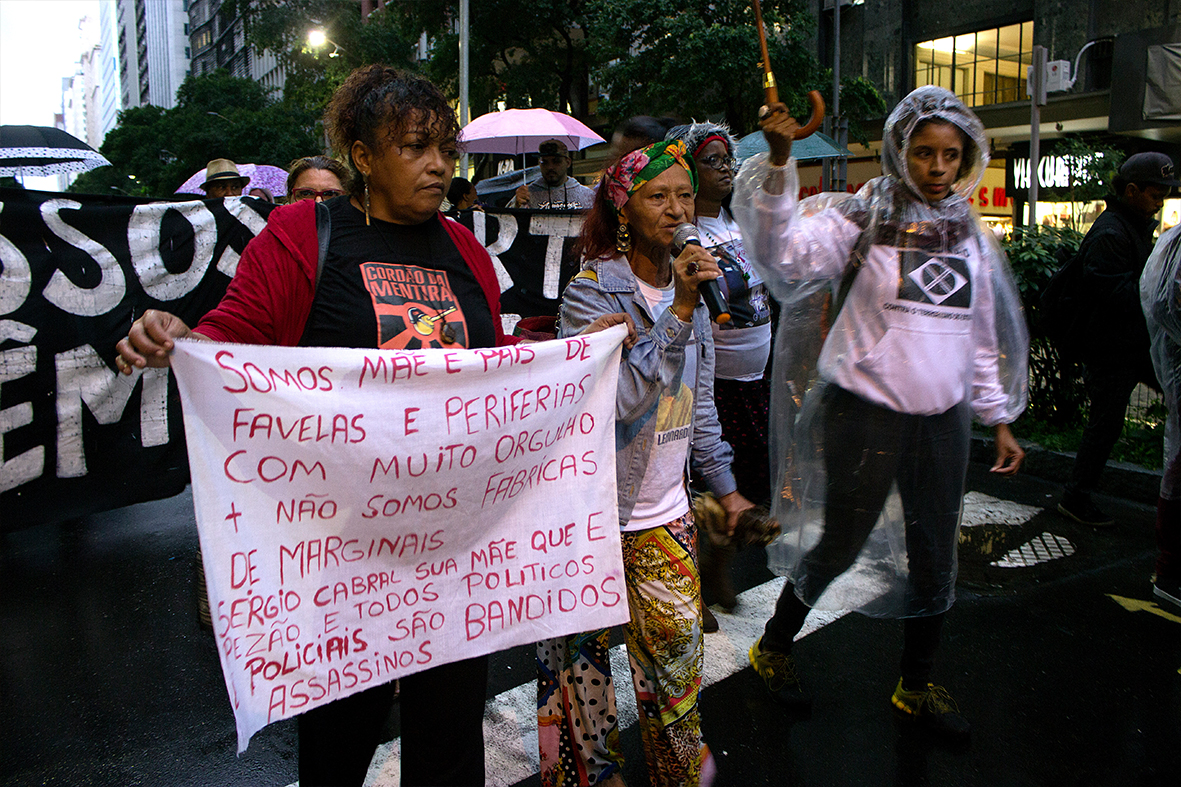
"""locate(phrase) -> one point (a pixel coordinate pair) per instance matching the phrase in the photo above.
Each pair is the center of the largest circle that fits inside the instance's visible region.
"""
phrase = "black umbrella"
(42, 150)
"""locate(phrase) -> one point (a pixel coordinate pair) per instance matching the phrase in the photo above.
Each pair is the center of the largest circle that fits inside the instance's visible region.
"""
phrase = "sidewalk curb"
(1120, 479)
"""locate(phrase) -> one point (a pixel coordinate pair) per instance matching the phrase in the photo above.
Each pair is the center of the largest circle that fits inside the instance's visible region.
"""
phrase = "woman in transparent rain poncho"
(900, 322)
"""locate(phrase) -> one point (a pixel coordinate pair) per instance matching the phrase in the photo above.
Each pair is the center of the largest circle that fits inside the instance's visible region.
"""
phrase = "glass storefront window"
(984, 67)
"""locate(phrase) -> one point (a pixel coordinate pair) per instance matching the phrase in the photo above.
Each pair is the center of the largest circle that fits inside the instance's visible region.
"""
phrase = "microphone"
(711, 293)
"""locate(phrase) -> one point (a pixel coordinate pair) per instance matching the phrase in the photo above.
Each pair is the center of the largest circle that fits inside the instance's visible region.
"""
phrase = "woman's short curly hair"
(378, 103)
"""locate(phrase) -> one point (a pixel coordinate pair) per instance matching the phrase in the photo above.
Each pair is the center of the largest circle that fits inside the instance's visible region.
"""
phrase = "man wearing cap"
(222, 179)
(1114, 349)
(555, 189)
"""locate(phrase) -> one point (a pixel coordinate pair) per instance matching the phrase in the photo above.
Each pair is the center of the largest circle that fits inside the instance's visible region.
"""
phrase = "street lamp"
(317, 38)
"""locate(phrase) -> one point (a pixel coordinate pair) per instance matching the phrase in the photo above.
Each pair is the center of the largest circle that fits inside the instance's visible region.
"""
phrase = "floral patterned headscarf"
(640, 166)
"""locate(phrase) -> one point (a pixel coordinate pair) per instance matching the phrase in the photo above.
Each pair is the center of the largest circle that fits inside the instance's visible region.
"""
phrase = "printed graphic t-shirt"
(396, 287)
(743, 344)
(662, 497)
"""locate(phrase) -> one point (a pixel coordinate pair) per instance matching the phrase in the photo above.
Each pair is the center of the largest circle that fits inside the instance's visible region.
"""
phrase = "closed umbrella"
(266, 176)
(520, 131)
(38, 151)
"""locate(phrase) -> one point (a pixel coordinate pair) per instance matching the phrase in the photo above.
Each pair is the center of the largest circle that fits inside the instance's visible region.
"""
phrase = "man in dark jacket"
(1115, 342)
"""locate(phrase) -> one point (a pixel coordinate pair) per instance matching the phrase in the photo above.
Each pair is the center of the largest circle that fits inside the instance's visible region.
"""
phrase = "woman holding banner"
(303, 281)
(665, 418)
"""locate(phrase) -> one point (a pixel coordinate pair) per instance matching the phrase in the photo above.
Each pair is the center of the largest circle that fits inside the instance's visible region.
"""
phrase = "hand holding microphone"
(711, 293)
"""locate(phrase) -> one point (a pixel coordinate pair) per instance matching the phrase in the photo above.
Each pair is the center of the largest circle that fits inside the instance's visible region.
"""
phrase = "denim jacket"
(607, 286)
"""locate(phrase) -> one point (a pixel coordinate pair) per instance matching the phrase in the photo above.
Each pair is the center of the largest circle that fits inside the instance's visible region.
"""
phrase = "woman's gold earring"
(623, 241)
(366, 202)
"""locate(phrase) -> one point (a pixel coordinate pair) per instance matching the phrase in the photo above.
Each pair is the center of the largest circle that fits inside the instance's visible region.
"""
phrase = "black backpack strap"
(856, 260)
(323, 236)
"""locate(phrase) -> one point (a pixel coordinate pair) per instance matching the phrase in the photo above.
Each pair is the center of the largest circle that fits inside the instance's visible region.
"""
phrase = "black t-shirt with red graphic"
(395, 287)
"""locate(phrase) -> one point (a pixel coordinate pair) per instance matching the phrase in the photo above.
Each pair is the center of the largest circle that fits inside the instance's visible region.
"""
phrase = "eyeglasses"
(719, 162)
(298, 194)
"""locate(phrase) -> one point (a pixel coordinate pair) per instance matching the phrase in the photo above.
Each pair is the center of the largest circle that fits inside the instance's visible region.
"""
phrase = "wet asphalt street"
(1068, 671)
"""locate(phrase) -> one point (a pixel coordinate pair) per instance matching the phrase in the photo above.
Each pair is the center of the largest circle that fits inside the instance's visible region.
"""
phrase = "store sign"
(991, 198)
(1053, 172)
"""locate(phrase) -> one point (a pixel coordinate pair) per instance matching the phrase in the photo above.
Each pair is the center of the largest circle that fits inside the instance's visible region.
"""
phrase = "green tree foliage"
(154, 150)
(700, 59)
(1056, 394)
(526, 53)
(691, 59)
(523, 53)
(860, 103)
(282, 26)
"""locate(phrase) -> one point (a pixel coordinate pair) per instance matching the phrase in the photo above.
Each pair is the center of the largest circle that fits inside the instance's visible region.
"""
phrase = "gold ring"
(692, 268)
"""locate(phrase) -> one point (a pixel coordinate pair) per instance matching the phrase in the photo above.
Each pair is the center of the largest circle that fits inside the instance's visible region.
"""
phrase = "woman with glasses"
(398, 133)
(316, 177)
(743, 344)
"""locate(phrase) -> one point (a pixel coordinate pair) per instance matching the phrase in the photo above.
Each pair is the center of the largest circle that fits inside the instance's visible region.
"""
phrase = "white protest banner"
(367, 514)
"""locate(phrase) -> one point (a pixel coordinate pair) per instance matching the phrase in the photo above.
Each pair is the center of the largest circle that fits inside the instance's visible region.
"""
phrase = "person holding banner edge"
(397, 132)
(665, 420)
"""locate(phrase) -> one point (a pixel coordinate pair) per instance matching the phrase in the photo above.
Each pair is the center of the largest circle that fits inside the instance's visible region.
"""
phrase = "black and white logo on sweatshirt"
(942, 281)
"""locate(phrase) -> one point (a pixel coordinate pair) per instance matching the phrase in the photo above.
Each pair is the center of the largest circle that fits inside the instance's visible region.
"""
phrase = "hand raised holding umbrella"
(774, 113)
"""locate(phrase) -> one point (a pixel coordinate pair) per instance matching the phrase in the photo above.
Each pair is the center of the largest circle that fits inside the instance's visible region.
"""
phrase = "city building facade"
(153, 47)
(217, 39)
(108, 94)
(1118, 96)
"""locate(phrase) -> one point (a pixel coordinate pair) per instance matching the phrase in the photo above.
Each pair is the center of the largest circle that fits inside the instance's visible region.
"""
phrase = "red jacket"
(270, 297)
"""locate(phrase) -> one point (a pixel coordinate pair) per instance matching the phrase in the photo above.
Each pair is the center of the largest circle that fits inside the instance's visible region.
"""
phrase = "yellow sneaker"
(778, 671)
(933, 708)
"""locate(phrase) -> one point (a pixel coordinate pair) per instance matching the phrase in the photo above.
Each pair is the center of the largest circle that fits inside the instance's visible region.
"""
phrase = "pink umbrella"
(520, 131)
(264, 176)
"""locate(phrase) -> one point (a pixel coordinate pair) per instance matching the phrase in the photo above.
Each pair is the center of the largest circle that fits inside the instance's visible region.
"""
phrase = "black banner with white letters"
(76, 437)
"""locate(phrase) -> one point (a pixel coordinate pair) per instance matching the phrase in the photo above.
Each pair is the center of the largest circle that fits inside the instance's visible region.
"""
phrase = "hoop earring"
(366, 202)
(623, 241)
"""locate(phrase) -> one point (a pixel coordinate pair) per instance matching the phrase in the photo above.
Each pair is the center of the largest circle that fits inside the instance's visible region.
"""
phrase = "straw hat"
(222, 169)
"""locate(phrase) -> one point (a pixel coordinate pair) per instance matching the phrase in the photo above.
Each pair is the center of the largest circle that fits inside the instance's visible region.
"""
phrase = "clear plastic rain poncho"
(1160, 297)
(905, 303)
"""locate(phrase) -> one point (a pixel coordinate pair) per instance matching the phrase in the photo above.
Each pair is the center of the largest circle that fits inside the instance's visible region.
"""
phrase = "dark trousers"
(867, 449)
(442, 730)
(744, 412)
(1109, 386)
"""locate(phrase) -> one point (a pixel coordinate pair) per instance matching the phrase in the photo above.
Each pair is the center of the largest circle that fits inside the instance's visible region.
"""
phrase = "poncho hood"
(937, 104)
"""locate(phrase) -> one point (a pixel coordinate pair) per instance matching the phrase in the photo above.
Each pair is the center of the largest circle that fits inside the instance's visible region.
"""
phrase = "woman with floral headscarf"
(665, 418)
(924, 331)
